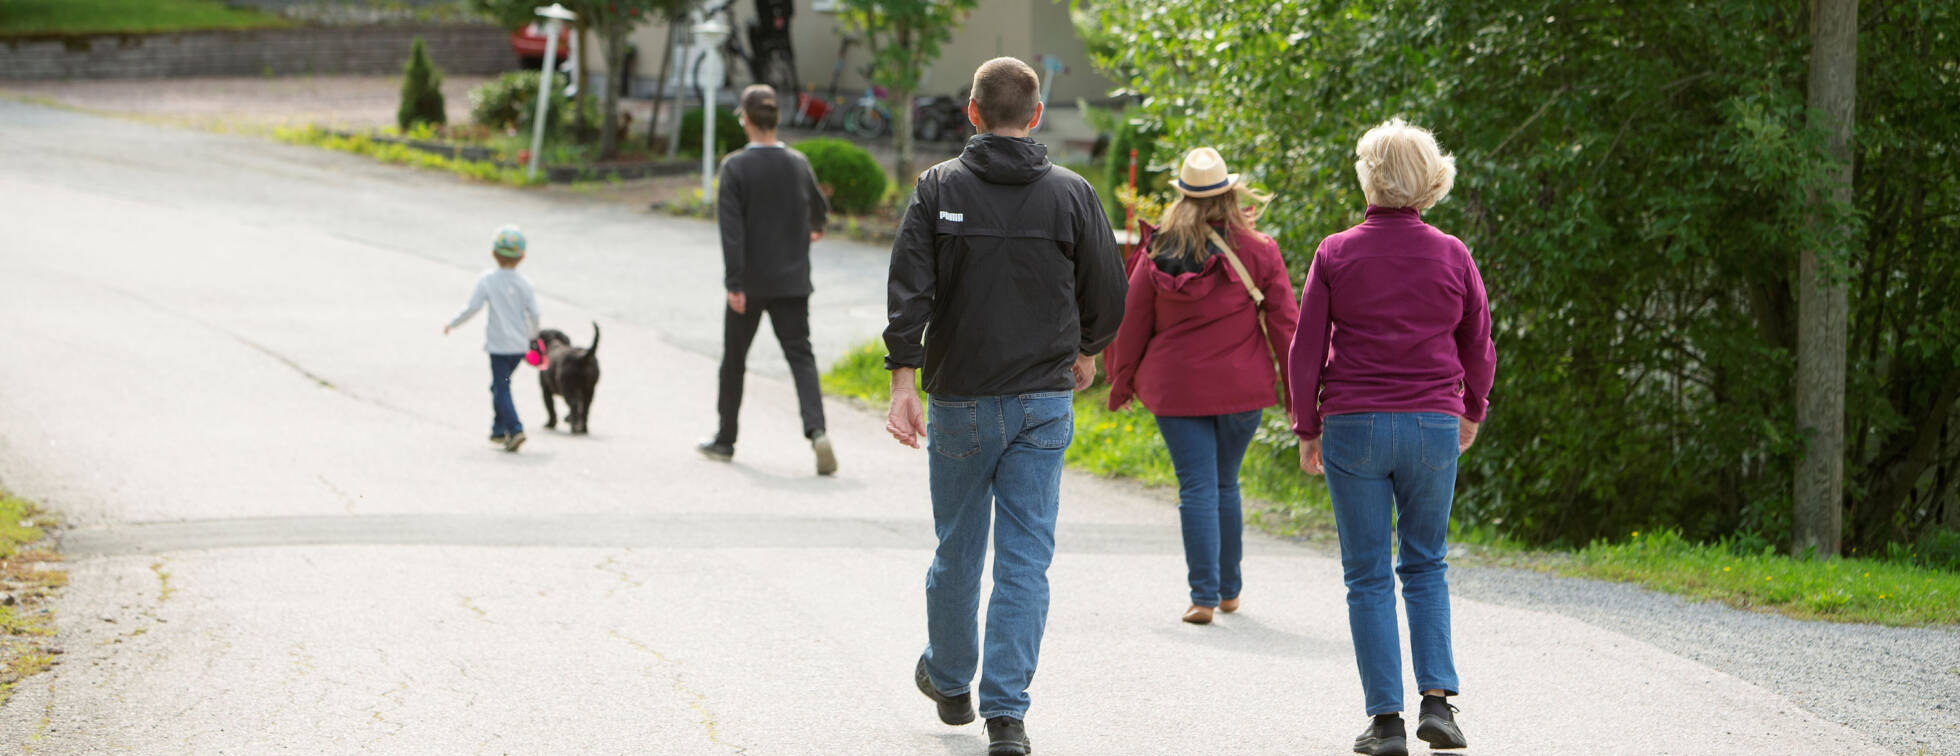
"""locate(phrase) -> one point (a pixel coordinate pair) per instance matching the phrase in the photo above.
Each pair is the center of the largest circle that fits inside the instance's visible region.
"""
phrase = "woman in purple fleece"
(1390, 370)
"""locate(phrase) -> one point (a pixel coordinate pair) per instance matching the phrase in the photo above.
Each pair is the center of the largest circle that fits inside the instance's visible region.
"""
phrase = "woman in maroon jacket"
(1199, 348)
(1389, 371)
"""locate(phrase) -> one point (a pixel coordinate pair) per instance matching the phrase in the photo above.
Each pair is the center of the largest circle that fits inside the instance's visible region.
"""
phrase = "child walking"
(513, 324)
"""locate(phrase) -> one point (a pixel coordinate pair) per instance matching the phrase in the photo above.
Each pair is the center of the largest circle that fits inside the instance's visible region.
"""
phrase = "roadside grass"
(28, 578)
(77, 17)
(1283, 501)
(1843, 590)
(314, 136)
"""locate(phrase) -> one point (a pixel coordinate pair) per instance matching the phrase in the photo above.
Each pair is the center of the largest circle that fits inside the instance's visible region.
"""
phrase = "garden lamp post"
(555, 17)
(708, 35)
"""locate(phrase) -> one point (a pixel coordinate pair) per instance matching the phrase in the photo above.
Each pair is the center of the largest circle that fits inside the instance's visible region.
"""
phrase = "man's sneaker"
(498, 439)
(1006, 736)
(826, 456)
(953, 710)
(514, 440)
(1438, 725)
(1384, 737)
(716, 450)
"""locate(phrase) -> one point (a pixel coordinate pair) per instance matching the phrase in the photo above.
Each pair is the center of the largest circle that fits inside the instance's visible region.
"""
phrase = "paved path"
(225, 371)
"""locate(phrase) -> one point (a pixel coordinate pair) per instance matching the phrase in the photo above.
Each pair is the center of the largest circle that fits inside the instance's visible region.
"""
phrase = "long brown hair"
(1186, 224)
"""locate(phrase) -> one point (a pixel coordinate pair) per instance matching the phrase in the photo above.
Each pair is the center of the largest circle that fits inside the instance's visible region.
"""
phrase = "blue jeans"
(505, 421)
(1206, 451)
(995, 458)
(1399, 466)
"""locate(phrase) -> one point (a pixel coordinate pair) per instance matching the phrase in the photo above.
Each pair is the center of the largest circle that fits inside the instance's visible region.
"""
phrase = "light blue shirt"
(513, 311)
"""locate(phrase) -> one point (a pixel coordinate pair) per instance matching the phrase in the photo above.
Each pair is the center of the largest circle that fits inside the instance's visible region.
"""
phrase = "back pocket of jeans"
(1438, 437)
(953, 428)
(1348, 440)
(1048, 419)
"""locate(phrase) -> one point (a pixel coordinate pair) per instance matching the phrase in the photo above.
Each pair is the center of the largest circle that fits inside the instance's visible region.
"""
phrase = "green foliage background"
(1635, 182)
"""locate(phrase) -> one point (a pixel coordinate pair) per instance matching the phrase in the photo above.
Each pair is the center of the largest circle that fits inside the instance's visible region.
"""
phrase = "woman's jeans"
(1397, 467)
(1206, 451)
(504, 420)
(996, 461)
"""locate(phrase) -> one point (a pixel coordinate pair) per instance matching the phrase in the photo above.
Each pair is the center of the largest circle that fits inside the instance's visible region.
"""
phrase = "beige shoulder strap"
(1258, 297)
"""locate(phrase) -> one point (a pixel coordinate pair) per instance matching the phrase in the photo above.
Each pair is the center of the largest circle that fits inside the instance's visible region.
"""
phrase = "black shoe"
(1438, 725)
(1384, 737)
(716, 450)
(953, 710)
(826, 456)
(1006, 736)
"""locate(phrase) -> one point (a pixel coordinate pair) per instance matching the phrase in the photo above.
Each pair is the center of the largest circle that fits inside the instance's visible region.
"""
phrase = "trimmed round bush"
(856, 181)
(729, 135)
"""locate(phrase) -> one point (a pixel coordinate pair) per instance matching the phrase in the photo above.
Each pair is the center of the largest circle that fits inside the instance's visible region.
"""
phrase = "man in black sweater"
(771, 211)
(1006, 267)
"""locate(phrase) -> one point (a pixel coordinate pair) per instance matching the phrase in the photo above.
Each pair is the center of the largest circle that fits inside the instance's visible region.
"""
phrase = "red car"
(529, 43)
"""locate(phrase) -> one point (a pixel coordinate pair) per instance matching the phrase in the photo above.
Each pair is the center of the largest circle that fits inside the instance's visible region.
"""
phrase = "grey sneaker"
(498, 439)
(513, 441)
(826, 456)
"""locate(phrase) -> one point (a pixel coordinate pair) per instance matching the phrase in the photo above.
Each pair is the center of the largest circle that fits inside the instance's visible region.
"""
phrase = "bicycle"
(772, 63)
(869, 117)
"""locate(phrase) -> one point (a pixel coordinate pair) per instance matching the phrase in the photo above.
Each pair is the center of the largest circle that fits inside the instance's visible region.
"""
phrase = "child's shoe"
(513, 441)
(498, 439)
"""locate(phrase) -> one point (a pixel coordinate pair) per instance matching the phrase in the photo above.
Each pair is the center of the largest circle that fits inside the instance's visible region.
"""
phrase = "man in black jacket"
(771, 211)
(1006, 266)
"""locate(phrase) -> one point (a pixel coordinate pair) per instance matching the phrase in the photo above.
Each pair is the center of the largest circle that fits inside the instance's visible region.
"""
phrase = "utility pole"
(1822, 301)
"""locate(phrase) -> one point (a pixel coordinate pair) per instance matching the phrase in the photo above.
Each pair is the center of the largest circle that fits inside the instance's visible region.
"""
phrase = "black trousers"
(790, 317)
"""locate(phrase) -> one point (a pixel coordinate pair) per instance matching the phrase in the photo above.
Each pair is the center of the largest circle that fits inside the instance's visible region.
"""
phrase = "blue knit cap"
(509, 243)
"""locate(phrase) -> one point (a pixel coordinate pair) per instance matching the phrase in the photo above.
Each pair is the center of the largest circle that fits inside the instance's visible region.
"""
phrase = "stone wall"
(455, 48)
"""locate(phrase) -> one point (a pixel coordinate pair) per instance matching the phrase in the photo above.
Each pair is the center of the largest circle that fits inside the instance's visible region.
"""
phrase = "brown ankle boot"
(1198, 615)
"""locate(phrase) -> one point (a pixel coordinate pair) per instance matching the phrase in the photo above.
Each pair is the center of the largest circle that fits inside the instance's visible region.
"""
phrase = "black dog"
(569, 372)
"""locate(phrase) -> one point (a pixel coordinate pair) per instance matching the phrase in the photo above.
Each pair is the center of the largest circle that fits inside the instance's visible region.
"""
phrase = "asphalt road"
(225, 370)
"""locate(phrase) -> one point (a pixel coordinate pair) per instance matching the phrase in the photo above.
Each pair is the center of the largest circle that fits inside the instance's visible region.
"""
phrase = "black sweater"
(768, 204)
(1006, 266)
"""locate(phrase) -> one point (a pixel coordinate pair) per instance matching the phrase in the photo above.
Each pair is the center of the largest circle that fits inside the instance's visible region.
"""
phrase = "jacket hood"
(1006, 160)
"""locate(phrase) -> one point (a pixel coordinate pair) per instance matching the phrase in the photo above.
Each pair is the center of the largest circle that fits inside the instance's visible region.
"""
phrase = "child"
(513, 324)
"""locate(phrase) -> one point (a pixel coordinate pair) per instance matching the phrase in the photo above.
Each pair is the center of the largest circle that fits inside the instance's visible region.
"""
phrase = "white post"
(708, 36)
(555, 17)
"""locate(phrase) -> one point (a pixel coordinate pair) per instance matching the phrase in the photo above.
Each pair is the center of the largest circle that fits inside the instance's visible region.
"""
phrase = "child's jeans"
(505, 423)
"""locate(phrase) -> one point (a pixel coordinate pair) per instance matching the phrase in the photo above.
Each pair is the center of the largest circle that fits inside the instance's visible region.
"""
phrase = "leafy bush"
(501, 104)
(856, 181)
(1637, 195)
(421, 91)
(729, 135)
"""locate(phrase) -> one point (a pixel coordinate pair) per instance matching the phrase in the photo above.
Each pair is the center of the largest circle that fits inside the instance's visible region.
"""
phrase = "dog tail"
(594, 349)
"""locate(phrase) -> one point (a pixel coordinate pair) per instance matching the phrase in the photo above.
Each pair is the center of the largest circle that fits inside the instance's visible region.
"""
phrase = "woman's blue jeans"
(1394, 472)
(1206, 451)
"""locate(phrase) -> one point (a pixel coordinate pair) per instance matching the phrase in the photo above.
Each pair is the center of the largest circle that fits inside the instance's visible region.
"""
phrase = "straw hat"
(1202, 174)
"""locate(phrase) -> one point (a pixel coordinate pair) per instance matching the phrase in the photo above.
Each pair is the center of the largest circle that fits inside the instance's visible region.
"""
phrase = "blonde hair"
(1401, 166)
(1181, 232)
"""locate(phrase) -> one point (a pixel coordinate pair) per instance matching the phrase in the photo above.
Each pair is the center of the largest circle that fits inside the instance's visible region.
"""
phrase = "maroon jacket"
(1394, 320)
(1190, 345)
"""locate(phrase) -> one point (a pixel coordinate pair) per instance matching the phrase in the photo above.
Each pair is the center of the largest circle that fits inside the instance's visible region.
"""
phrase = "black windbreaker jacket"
(1006, 265)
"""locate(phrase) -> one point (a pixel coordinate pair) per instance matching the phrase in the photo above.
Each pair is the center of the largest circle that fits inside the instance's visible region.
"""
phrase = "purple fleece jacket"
(1392, 319)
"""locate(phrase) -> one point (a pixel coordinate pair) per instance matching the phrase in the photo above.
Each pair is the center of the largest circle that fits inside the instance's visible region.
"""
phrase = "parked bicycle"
(771, 61)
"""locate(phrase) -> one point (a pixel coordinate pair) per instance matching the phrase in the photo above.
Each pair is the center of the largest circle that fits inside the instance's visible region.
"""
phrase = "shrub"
(729, 135)
(421, 91)
(856, 181)
(501, 104)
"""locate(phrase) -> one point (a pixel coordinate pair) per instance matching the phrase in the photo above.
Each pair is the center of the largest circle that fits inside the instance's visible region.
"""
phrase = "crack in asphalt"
(695, 699)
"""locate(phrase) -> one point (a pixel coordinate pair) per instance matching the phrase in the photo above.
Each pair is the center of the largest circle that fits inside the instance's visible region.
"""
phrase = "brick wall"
(460, 49)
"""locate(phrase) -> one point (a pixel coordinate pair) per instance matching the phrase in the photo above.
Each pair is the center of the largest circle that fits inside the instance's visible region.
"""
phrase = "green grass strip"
(79, 17)
(1844, 590)
(313, 136)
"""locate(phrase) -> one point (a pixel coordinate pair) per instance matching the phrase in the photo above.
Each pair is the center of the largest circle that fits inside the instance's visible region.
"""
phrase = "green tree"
(904, 37)
(1637, 183)
(421, 91)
